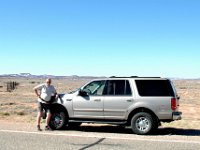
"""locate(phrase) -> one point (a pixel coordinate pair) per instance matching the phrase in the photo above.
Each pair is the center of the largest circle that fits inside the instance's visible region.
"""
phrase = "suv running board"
(100, 122)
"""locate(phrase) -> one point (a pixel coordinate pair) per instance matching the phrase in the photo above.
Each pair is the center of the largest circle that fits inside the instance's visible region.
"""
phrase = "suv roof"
(133, 77)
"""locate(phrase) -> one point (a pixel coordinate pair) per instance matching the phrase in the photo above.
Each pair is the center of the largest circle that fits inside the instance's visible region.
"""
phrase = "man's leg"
(39, 115)
(39, 120)
(48, 118)
(48, 109)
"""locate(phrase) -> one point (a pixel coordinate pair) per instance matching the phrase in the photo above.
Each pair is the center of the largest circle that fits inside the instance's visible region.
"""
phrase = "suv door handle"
(129, 100)
(69, 99)
(97, 100)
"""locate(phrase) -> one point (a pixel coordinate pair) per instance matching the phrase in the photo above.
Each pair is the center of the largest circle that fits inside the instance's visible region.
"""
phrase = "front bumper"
(176, 115)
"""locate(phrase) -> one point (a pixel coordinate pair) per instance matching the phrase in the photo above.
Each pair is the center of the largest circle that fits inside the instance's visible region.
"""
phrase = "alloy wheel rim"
(142, 124)
(57, 120)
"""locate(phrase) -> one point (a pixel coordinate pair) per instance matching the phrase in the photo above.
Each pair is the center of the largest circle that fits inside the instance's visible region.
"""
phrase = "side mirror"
(84, 92)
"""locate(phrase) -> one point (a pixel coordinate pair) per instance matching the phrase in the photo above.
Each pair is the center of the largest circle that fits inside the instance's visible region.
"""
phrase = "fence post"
(11, 85)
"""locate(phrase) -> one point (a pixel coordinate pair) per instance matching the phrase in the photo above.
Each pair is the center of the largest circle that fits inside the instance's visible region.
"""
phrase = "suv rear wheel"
(142, 123)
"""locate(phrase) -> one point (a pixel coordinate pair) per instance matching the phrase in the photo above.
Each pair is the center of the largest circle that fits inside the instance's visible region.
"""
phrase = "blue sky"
(100, 37)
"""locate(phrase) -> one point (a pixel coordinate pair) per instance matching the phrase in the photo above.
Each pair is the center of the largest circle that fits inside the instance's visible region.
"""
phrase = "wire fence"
(11, 85)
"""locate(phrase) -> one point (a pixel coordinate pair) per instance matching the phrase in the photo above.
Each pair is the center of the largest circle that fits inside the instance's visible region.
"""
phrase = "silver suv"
(139, 102)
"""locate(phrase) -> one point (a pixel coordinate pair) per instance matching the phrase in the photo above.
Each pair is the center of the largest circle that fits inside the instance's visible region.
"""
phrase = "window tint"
(117, 87)
(95, 87)
(154, 88)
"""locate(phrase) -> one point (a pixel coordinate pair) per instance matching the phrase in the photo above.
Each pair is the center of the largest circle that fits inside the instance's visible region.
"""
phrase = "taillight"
(173, 103)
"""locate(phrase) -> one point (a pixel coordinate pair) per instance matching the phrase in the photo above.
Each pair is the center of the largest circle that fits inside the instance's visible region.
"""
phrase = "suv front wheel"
(58, 120)
(142, 123)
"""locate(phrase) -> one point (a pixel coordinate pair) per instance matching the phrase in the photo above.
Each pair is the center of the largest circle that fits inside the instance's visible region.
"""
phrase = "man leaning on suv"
(44, 92)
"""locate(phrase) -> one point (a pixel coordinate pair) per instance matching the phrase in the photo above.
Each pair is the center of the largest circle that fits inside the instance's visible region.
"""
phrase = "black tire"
(142, 123)
(58, 120)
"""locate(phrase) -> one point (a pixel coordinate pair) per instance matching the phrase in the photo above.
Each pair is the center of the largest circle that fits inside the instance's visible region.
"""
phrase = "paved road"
(93, 138)
(23, 140)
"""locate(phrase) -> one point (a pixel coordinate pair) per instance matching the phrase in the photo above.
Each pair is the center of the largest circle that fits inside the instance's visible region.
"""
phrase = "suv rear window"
(154, 88)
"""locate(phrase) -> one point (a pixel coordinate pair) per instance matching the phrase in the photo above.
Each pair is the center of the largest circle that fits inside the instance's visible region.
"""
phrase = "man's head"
(48, 81)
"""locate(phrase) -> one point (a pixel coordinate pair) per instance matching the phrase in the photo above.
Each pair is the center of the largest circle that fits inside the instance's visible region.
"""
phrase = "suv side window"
(154, 88)
(117, 87)
(95, 87)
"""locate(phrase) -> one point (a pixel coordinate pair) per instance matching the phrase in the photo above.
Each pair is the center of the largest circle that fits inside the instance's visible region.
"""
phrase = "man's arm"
(36, 92)
(37, 89)
(55, 92)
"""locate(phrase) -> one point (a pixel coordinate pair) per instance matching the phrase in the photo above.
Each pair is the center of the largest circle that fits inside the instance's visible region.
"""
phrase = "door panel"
(88, 107)
(118, 98)
(115, 107)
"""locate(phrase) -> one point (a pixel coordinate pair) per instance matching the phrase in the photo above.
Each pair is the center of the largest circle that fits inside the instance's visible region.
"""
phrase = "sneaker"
(48, 128)
(38, 128)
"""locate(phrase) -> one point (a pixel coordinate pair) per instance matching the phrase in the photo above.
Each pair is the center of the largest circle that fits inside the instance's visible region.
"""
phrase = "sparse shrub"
(183, 87)
(5, 114)
(20, 113)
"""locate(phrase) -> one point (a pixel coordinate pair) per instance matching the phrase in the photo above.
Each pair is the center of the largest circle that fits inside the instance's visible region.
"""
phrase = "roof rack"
(133, 77)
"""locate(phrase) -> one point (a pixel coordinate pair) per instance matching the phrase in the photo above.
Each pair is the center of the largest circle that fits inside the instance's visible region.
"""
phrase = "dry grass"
(20, 105)
(189, 91)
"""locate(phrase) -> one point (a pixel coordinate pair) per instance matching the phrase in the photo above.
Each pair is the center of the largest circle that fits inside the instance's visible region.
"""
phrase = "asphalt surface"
(18, 137)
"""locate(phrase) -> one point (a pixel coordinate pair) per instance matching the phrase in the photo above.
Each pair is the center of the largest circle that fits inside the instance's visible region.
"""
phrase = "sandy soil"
(20, 104)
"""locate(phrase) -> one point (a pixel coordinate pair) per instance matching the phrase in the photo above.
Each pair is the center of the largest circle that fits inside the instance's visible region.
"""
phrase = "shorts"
(44, 106)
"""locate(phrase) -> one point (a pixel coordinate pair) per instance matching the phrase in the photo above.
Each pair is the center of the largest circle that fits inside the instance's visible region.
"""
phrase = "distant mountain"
(22, 75)
(28, 75)
(73, 77)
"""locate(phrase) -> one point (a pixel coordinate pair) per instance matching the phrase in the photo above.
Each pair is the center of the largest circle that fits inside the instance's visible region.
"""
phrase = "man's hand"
(56, 96)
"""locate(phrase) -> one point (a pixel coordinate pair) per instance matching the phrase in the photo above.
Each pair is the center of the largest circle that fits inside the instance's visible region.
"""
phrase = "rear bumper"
(176, 115)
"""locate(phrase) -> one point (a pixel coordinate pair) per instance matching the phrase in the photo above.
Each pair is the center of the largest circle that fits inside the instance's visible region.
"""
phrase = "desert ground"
(20, 105)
